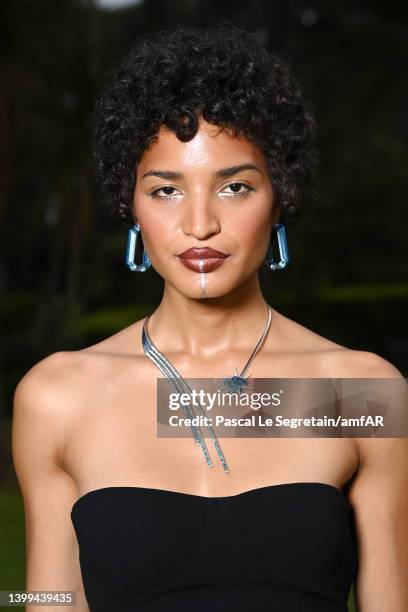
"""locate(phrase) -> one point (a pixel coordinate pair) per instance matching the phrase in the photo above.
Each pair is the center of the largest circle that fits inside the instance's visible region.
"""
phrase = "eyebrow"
(222, 173)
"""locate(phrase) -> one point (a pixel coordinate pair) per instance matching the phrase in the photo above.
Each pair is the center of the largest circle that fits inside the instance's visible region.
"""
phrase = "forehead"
(211, 146)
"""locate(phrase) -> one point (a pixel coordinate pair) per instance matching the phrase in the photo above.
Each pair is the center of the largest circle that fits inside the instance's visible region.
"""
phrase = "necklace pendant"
(235, 383)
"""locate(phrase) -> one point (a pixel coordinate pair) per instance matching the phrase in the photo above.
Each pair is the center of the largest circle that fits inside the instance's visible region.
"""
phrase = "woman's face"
(198, 194)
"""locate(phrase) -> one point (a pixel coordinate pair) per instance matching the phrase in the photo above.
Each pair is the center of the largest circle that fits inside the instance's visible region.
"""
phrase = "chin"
(216, 289)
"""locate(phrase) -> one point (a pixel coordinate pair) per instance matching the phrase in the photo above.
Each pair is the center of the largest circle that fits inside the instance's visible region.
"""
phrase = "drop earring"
(283, 249)
(133, 235)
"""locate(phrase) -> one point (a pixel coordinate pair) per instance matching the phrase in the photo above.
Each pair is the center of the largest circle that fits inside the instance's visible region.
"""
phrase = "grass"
(350, 602)
(12, 549)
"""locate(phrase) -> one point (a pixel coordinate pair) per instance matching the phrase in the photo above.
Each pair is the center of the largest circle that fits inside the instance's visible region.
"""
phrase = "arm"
(38, 434)
(379, 496)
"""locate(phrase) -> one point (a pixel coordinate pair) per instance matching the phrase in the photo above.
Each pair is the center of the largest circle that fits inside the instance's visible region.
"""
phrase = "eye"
(237, 191)
(166, 189)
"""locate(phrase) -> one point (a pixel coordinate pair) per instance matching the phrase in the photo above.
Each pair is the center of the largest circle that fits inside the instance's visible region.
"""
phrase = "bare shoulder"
(41, 413)
(42, 402)
(290, 336)
(379, 457)
(48, 401)
(351, 363)
(48, 381)
(53, 393)
(43, 381)
(330, 358)
(390, 452)
(60, 381)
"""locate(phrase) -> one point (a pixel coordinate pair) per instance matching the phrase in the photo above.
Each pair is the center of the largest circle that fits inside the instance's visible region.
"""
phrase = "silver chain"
(181, 386)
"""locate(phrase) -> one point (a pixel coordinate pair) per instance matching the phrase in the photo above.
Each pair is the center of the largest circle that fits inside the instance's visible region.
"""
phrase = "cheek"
(251, 231)
(159, 229)
(154, 237)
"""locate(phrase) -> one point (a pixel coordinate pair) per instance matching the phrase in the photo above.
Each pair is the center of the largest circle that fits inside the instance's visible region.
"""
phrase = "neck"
(210, 326)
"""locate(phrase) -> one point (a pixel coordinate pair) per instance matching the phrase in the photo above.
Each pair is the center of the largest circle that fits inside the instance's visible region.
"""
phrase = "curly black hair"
(222, 72)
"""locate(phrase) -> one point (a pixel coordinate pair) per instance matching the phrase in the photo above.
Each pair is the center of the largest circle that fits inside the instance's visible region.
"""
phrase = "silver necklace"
(236, 383)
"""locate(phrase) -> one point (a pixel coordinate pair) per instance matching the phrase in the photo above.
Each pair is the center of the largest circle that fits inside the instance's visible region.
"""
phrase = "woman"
(203, 141)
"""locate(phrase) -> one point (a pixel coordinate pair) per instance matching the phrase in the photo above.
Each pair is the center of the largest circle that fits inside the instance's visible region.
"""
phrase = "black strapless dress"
(280, 548)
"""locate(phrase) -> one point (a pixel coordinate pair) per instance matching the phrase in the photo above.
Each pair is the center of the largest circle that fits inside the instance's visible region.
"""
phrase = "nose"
(200, 218)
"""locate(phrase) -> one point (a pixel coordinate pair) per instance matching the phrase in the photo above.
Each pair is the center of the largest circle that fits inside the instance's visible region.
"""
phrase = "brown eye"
(167, 190)
(238, 189)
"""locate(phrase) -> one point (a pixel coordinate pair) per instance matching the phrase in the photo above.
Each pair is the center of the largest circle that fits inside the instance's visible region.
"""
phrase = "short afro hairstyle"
(221, 72)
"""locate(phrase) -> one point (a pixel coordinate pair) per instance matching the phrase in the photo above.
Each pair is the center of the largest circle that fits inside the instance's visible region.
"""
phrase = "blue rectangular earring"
(133, 234)
(283, 249)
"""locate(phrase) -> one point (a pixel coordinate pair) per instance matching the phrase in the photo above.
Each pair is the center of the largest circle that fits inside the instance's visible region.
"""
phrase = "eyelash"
(243, 194)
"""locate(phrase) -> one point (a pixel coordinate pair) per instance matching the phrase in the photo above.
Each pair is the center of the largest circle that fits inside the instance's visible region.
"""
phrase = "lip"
(209, 263)
(202, 253)
(211, 258)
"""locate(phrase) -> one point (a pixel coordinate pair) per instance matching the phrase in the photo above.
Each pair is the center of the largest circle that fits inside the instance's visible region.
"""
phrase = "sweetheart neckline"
(329, 486)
